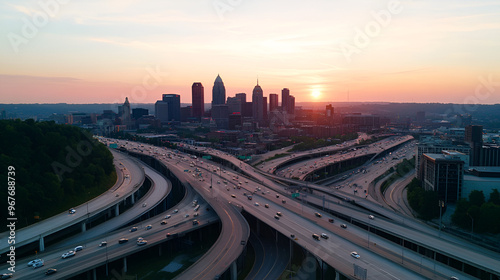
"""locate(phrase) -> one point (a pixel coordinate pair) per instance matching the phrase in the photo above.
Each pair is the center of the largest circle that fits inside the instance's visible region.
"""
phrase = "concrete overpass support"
(94, 272)
(132, 198)
(84, 227)
(337, 275)
(125, 264)
(41, 244)
(117, 210)
(233, 271)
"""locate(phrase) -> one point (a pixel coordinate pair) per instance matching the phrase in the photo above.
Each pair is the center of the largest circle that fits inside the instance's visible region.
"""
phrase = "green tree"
(495, 197)
(476, 198)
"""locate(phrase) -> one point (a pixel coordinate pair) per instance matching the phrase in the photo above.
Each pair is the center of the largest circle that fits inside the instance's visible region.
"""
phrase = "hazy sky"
(397, 51)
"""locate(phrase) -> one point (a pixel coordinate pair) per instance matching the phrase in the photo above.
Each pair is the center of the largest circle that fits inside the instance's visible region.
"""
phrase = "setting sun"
(316, 94)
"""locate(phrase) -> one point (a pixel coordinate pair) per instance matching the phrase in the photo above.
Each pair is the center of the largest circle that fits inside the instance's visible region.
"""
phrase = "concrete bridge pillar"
(94, 272)
(233, 271)
(132, 198)
(125, 264)
(41, 244)
(117, 210)
(84, 227)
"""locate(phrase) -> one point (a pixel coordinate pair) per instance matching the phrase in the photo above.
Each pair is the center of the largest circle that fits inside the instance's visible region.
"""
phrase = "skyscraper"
(264, 108)
(218, 92)
(291, 105)
(285, 94)
(273, 102)
(169, 108)
(258, 104)
(124, 112)
(198, 97)
(474, 137)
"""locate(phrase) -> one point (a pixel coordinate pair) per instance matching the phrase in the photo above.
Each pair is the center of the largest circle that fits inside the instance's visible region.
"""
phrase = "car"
(195, 222)
(78, 248)
(50, 271)
(343, 226)
(233, 196)
(454, 278)
(104, 243)
(355, 255)
(122, 240)
(318, 215)
(68, 254)
(163, 222)
(142, 242)
(38, 264)
(315, 236)
(148, 227)
(330, 220)
(6, 275)
(243, 242)
(323, 235)
(186, 216)
(292, 235)
(176, 211)
(277, 195)
(279, 213)
(133, 229)
(277, 217)
(283, 201)
(31, 263)
(139, 239)
(168, 217)
(266, 205)
(196, 214)
(256, 204)
(144, 204)
(371, 217)
(72, 211)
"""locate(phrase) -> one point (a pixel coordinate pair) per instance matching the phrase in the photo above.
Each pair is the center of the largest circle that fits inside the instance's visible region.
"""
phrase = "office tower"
(169, 108)
(443, 173)
(220, 114)
(273, 102)
(218, 92)
(137, 113)
(124, 113)
(285, 94)
(264, 108)
(291, 105)
(257, 104)
(198, 97)
(329, 114)
(235, 121)
(242, 96)
(187, 114)
(234, 104)
(474, 137)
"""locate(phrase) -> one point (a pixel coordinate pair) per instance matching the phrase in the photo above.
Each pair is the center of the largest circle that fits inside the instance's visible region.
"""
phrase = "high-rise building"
(330, 111)
(285, 94)
(264, 108)
(291, 105)
(242, 96)
(198, 97)
(220, 114)
(124, 113)
(474, 137)
(137, 113)
(234, 104)
(169, 108)
(444, 174)
(273, 102)
(218, 92)
(257, 104)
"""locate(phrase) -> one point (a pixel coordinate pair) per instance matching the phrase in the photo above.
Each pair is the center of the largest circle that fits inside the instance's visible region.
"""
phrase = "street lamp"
(441, 205)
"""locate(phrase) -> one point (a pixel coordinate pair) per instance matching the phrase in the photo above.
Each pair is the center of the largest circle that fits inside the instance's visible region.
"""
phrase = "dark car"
(343, 226)
(50, 271)
(6, 275)
(122, 240)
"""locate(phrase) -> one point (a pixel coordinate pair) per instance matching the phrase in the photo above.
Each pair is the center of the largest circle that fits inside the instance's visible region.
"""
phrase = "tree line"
(56, 167)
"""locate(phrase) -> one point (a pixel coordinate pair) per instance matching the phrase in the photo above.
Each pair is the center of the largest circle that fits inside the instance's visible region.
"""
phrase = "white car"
(142, 242)
(256, 204)
(72, 211)
(168, 217)
(68, 254)
(31, 263)
(78, 248)
(355, 255)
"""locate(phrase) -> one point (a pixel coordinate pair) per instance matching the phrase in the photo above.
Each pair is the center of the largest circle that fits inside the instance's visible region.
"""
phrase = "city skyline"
(363, 51)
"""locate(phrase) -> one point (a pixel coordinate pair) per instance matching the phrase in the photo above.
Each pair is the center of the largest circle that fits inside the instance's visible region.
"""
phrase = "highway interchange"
(217, 188)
